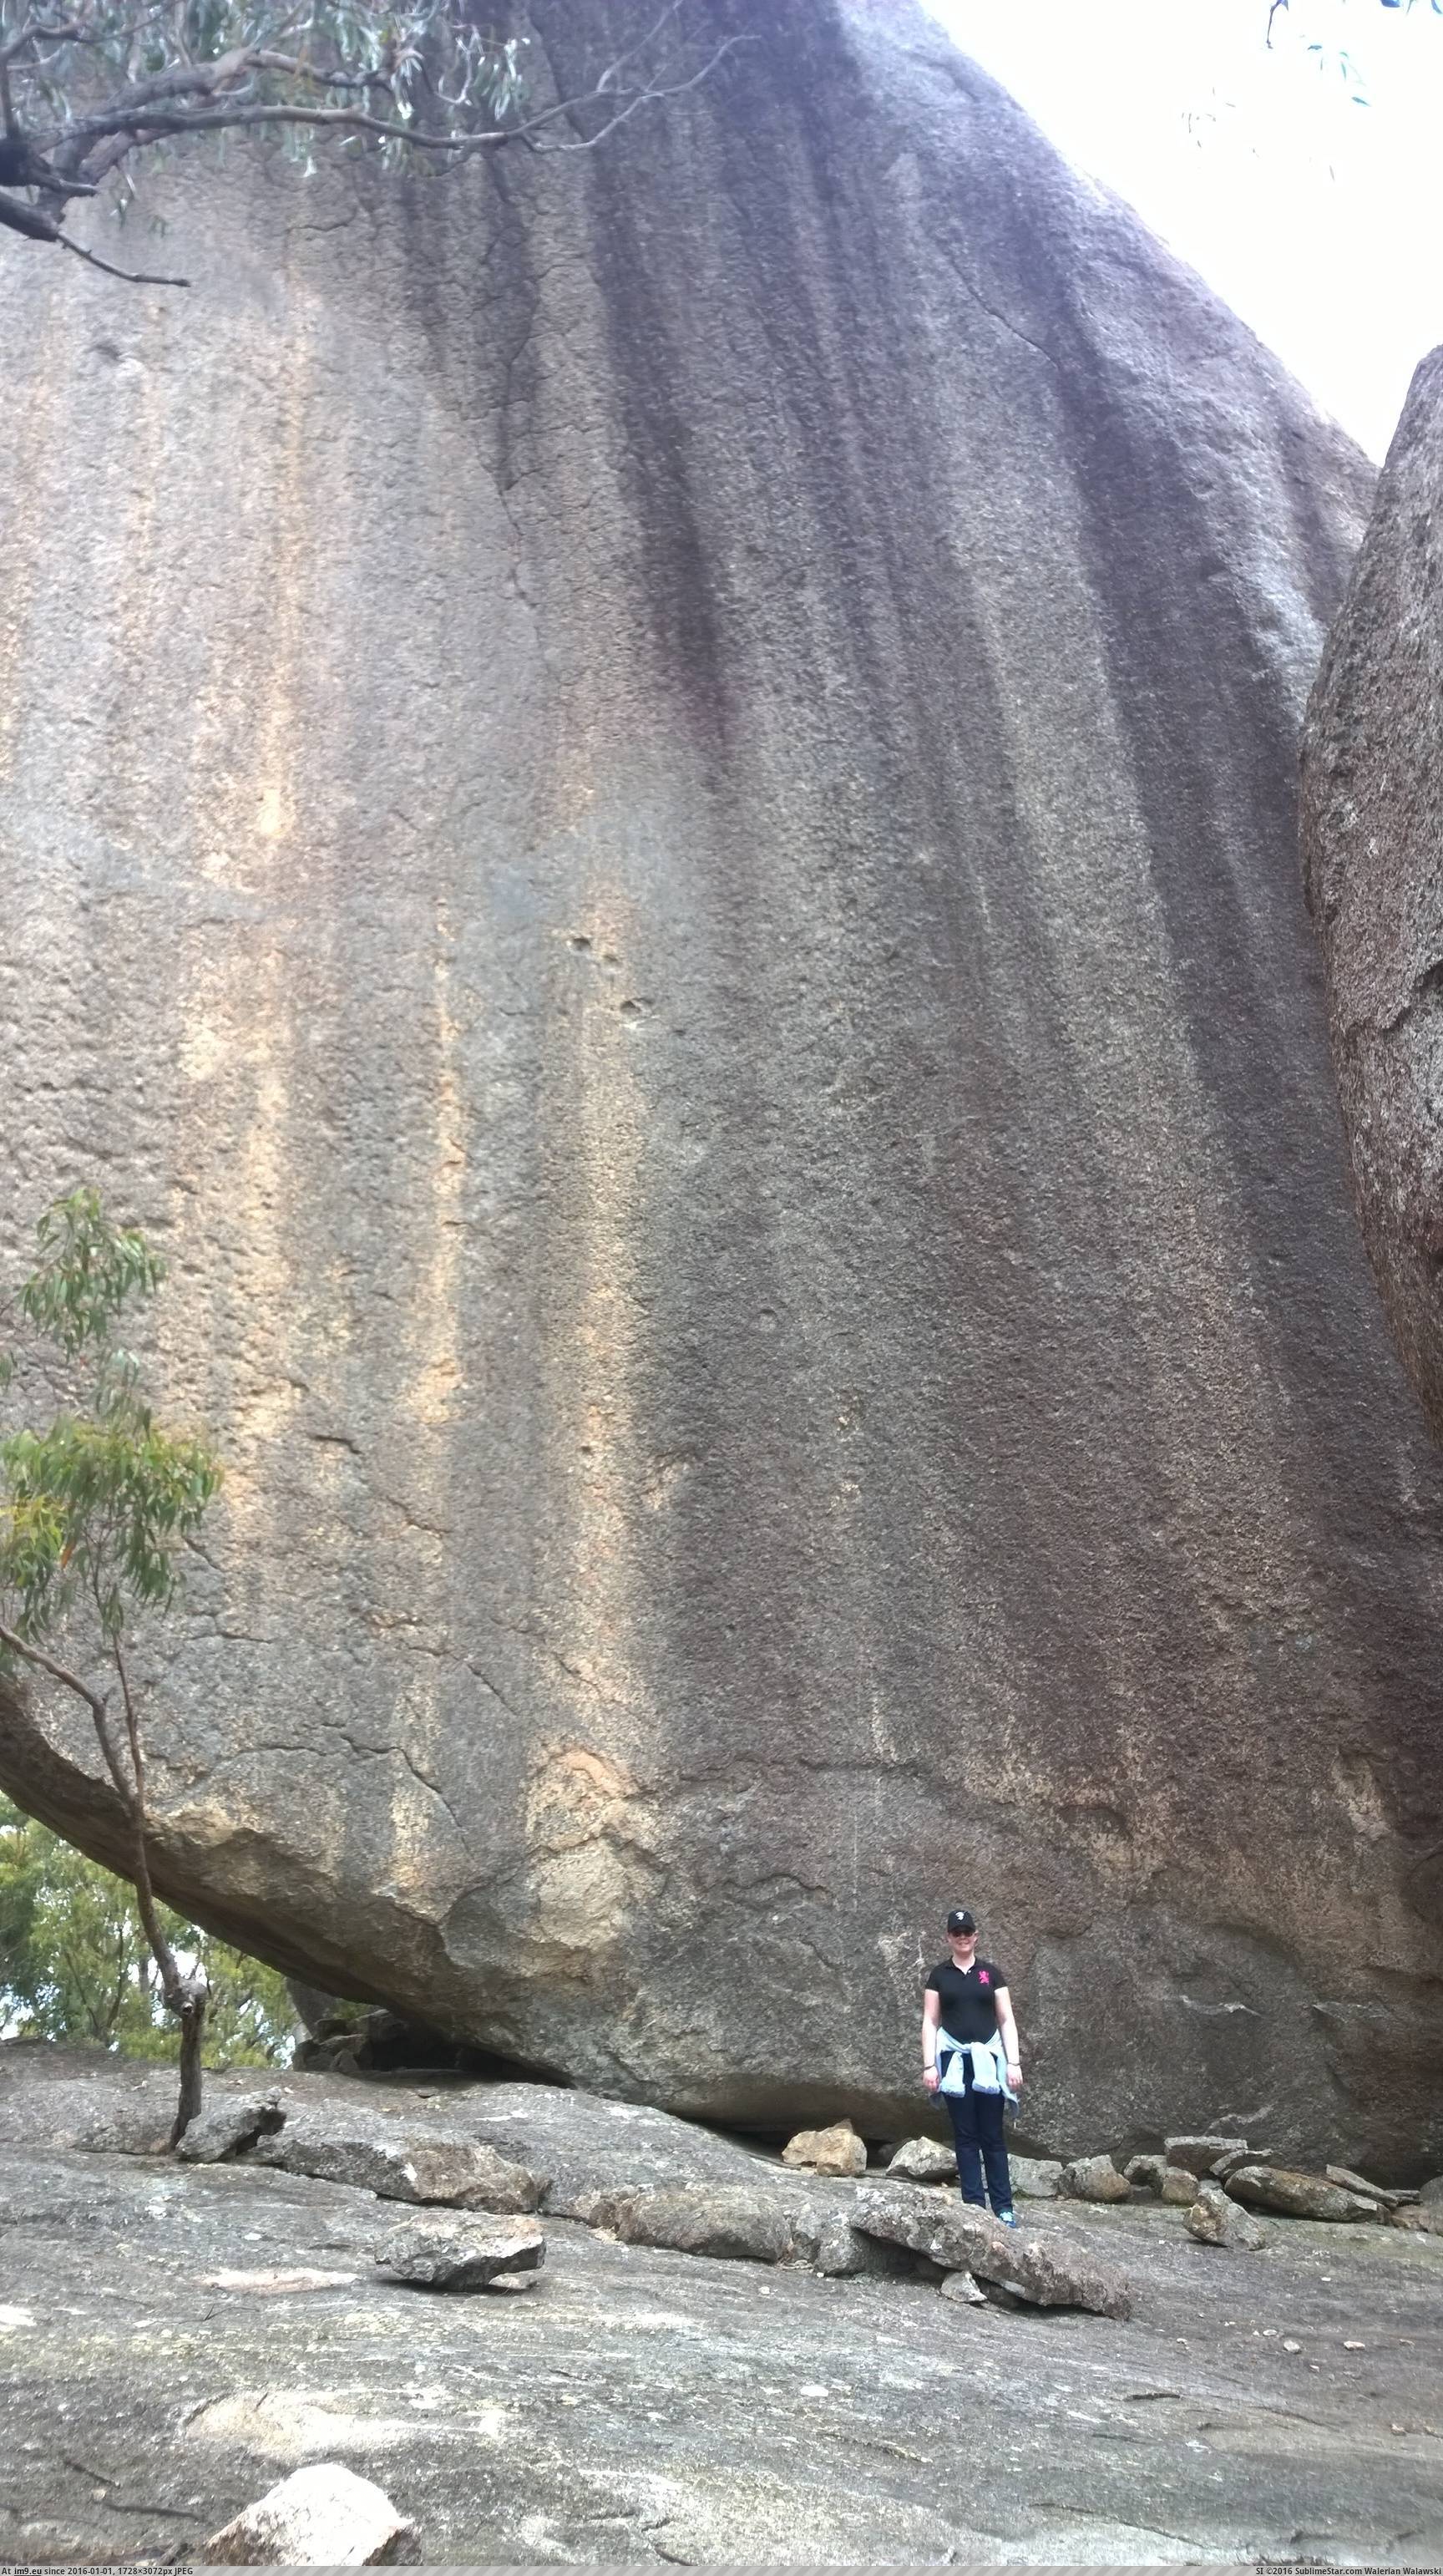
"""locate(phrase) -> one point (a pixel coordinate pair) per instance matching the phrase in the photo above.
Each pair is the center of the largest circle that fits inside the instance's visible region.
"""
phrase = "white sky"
(1318, 220)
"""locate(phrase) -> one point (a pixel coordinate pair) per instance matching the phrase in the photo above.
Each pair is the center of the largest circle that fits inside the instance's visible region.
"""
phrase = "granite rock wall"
(648, 817)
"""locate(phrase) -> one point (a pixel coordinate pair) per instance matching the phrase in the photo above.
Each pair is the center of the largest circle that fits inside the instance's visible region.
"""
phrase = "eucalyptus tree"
(89, 88)
(97, 1501)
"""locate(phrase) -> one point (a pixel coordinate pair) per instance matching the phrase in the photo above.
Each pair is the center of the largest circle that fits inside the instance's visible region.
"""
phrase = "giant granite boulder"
(1373, 855)
(649, 818)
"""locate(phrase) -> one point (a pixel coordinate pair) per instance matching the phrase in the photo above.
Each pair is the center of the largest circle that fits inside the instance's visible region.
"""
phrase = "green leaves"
(423, 63)
(95, 1511)
(76, 1964)
(97, 1500)
(89, 1270)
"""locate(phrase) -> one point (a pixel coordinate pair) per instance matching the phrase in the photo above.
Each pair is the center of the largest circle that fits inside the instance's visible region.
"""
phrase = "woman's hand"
(929, 2078)
(1014, 2079)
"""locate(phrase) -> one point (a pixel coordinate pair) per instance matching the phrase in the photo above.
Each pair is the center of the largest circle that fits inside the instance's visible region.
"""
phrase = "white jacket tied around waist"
(988, 2059)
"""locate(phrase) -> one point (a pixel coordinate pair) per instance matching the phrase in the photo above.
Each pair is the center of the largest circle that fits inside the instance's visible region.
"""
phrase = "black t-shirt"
(969, 1998)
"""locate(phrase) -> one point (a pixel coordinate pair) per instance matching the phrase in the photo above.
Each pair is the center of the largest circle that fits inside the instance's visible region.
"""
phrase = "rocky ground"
(174, 2339)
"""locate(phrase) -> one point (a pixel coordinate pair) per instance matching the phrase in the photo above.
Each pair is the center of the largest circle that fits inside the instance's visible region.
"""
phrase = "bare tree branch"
(400, 80)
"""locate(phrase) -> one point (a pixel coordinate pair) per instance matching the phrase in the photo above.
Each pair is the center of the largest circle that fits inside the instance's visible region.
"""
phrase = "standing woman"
(970, 2054)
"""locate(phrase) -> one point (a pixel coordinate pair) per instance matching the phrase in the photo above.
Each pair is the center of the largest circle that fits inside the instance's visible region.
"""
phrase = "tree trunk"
(189, 2005)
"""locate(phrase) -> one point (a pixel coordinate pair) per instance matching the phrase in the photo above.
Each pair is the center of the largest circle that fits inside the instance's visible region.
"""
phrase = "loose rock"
(1146, 2171)
(1035, 2177)
(323, 2516)
(927, 2160)
(732, 2223)
(1178, 2188)
(1215, 2220)
(229, 2125)
(1236, 2156)
(1347, 2180)
(837, 2150)
(827, 2242)
(1094, 2178)
(445, 2253)
(1044, 2270)
(961, 2288)
(1297, 2195)
(1200, 2154)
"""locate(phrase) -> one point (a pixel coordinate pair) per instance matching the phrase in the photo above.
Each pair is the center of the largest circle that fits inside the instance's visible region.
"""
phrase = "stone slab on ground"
(1041, 2268)
(1347, 2180)
(729, 2223)
(1299, 2195)
(1199, 2155)
(442, 2250)
(399, 2159)
(651, 2407)
(228, 2126)
(582, 2141)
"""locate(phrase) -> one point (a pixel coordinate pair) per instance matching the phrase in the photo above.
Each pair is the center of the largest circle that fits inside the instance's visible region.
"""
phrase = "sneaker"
(1006, 2217)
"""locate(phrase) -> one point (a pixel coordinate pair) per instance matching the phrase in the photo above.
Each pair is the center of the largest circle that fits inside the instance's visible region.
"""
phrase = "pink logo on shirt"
(982, 1977)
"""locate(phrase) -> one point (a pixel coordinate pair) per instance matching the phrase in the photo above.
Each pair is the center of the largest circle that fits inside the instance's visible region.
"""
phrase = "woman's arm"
(931, 2016)
(1007, 2024)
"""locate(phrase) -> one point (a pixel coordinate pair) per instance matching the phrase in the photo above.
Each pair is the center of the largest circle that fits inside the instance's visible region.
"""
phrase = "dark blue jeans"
(977, 2120)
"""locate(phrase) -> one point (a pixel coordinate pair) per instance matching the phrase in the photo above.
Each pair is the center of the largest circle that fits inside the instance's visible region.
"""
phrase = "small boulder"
(961, 2288)
(927, 2160)
(230, 2126)
(1215, 2220)
(1201, 2154)
(837, 2150)
(1094, 2178)
(1431, 2194)
(1035, 2177)
(1043, 2270)
(323, 2516)
(1297, 2195)
(1178, 2188)
(1420, 2222)
(1146, 2172)
(442, 2252)
(729, 2221)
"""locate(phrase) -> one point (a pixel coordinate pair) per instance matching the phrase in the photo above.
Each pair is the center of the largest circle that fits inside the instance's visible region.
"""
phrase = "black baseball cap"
(960, 1920)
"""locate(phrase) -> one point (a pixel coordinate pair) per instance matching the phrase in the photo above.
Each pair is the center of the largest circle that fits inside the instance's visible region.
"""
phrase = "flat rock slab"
(79, 2097)
(642, 2406)
(1045, 2270)
(400, 2160)
(1299, 2195)
(435, 2251)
